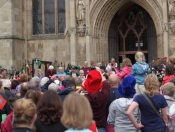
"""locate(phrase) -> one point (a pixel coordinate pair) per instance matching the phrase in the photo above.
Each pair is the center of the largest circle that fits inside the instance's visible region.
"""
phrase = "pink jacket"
(7, 125)
(126, 71)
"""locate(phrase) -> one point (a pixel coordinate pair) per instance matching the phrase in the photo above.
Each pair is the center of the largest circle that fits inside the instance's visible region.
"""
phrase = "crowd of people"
(90, 99)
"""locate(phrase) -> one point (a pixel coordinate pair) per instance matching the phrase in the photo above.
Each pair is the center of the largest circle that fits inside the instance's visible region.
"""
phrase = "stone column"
(88, 38)
(165, 27)
(72, 31)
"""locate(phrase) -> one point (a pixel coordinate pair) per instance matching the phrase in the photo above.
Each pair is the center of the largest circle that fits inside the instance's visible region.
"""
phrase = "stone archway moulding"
(101, 15)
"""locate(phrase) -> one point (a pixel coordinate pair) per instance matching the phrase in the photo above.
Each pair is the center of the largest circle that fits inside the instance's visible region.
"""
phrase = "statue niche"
(80, 17)
(171, 7)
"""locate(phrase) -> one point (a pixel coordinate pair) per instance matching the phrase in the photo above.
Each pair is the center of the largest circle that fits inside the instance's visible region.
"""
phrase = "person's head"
(34, 95)
(44, 80)
(85, 64)
(49, 108)
(93, 83)
(93, 64)
(69, 66)
(102, 68)
(32, 84)
(74, 69)
(140, 57)
(24, 113)
(53, 87)
(113, 81)
(173, 81)
(168, 89)
(23, 78)
(70, 84)
(3, 72)
(39, 71)
(60, 69)
(14, 84)
(36, 79)
(112, 61)
(99, 64)
(7, 83)
(81, 72)
(151, 84)
(67, 77)
(127, 87)
(126, 62)
(11, 101)
(77, 112)
(78, 81)
(170, 69)
(61, 77)
(51, 68)
(172, 60)
(23, 89)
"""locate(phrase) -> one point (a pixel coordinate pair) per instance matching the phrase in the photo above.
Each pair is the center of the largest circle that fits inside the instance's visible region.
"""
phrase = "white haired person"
(168, 91)
(139, 70)
(54, 87)
(50, 71)
(40, 74)
(81, 72)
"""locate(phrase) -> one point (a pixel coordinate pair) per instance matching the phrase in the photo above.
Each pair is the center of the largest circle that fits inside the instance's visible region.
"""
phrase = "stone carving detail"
(87, 33)
(172, 27)
(171, 4)
(81, 30)
(165, 26)
(80, 12)
(71, 31)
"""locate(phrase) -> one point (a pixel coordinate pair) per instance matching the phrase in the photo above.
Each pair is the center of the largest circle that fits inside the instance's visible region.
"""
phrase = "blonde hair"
(140, 57)
(151, 85)
(24, 112)
(169, 89)
(126, 62)
(77, 112)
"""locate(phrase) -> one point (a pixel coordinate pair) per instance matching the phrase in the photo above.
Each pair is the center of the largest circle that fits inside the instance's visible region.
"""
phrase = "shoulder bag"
(153, 107)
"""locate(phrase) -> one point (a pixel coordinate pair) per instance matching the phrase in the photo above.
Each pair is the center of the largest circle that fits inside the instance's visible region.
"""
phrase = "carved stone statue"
(80, 12)
(172, 27)
(171, 7)
(81, 30)
(165, 26)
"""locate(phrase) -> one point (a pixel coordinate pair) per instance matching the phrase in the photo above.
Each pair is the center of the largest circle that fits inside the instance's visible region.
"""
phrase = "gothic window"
(48, 16)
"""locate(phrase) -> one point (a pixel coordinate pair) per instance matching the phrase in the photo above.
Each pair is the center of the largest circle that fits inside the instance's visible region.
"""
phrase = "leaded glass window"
(61, 16)
(49, 16)
(37, 17)
(45, 19)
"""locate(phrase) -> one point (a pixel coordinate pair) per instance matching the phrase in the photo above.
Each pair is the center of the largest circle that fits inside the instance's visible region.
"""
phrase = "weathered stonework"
(19, 44)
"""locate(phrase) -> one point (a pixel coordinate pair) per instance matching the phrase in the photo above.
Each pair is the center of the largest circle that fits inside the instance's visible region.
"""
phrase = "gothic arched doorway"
(132, 30)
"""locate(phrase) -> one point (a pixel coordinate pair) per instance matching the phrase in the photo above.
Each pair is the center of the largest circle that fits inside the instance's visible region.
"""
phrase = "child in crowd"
(139, 70)
(126, 71)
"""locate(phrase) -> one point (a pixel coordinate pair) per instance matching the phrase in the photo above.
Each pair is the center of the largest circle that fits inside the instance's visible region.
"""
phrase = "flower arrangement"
(158, 67)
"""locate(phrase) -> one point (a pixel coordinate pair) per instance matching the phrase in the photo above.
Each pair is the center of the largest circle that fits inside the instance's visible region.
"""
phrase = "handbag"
(155, 110)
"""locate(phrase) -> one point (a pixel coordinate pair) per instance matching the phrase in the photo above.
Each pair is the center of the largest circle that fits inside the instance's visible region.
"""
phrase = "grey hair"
(44, 80)
(53, 87)
(78, 81)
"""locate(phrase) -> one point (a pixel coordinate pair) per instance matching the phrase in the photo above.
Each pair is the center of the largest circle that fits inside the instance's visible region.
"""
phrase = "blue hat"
(127, 88)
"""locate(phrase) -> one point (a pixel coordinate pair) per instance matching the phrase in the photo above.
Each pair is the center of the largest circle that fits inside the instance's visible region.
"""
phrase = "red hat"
(93, 82)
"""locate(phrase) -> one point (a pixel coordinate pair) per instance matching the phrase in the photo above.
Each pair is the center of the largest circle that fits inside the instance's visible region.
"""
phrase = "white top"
(109, 66)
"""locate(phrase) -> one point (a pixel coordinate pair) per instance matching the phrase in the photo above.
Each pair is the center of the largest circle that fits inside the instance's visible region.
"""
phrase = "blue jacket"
(139, 71)
(65, 92)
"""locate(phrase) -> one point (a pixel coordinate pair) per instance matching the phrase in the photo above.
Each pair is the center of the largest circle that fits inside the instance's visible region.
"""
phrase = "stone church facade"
(72, 31)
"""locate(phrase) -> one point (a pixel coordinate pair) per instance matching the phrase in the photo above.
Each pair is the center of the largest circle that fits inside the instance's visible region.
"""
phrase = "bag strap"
(153, 107)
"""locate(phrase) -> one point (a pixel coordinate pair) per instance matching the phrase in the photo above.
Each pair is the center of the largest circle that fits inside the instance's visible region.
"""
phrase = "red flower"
(165, 57)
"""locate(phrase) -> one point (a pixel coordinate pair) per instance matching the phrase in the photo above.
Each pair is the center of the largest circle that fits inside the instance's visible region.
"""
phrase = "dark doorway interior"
(131, 30)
